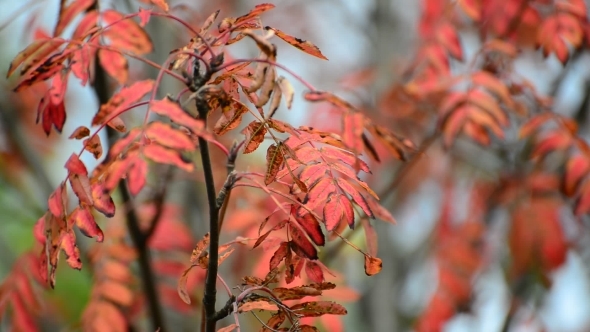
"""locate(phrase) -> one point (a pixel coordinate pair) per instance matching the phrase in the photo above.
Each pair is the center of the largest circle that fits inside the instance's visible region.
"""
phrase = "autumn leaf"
(373, 265)
(336, 208)
(122, 100)
(94, 146)
(274, 160)
(83, 219)
(80, 133)
(126, 34)
(163, 155)
(174, 112)
(166, 135)
(69, 12)
(34, 55)
(314, 272)
(115, 64)
(318, 308)
(303, 45)
(254, 133)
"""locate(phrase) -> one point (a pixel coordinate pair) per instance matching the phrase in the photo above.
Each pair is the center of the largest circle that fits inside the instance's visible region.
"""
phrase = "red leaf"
(314, 272)
(231, 119)
(352, 131)
(122, 100)
(75, 166)
(56, 202)
(380, 212)
(303, 45)
(33, 55)
(103, 202)
(115, 64)
(170, 137)
(68, 245)
(68, 13)
(81, 187)
(85, 222)
(356, 196)
(137, 175)
(279, 255)
(577, 168)
(126, 34)
(583, 202)
(163, 155)
(336, 207)
(51, 114)
(172, 110)
(301, 245)
(311, 226)
(81, 60)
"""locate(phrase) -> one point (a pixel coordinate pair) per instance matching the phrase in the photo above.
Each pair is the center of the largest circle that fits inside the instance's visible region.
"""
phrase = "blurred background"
(370, 45)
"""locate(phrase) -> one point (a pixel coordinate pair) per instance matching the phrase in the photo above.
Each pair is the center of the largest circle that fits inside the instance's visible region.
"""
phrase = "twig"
(137, 236)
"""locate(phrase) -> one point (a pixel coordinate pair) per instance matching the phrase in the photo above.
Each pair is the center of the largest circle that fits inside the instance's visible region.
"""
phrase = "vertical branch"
(138, 238)
(211, 280)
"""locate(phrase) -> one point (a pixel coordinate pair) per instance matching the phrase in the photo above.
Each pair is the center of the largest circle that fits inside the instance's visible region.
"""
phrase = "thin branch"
(137, 236)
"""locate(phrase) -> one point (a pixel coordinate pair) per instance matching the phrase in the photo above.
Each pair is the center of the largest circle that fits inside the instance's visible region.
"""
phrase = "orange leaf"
(257, 305)
(94, 146)
(301, 44)
(172, 110)
(122, 100)
(279, 255)
(162, 155)
(34, 54)
(115, 64)
(70, 249)
(68, 13)
(356, 196)
(125, 34)
(81, 187)
(80, 133)
(166, 135)
(336, 207)
(137, 174)
(85, 222)
(577, 168)
(103, 202)
(373, 265)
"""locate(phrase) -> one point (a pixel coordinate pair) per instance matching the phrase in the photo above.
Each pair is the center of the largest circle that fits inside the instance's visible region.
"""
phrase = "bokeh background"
(370, 44)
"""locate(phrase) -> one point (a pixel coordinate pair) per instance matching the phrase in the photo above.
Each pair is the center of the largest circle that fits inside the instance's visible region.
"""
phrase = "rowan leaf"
(228, 328)
(137, 174)
(318, 308)
(125, 34)
(69, 12)
(295, 293)
(286, 90)
(337, 207)
(254, 133)
(80, 133)
(93, 146)
(231, 119)
(122, 100)
(115, 64)
(81, 187)
(51, 115)
(75, 166)
(34, 55)
(86, 223)
(373, 265)
(181, 286)
(70, 249)
(162, 155)
(310, 225)
(314, 272)
(274, 160)
(356, 196)
(301, 245)
(380, 212)
(200, 248)
(577, 168)
(166, 135)
(103, 202)
(303, 45)
(172, 110)
(279, 255)
(56, 202)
